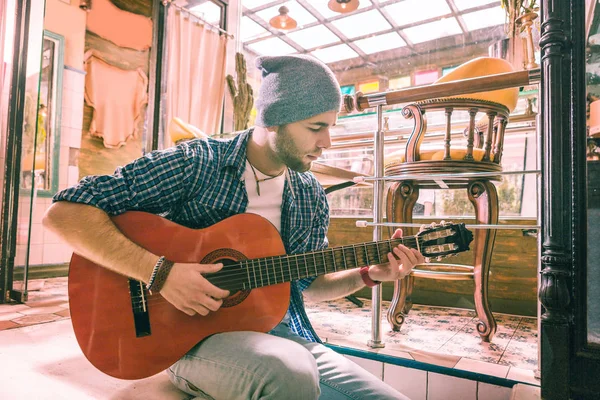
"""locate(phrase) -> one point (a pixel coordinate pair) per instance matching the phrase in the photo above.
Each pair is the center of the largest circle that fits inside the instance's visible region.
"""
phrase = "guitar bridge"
(139, 306)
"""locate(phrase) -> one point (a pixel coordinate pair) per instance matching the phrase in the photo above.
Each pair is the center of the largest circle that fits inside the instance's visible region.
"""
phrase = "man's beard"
(288, 152)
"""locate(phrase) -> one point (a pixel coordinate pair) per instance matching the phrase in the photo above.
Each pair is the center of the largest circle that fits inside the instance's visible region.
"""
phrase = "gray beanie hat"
(294, 88)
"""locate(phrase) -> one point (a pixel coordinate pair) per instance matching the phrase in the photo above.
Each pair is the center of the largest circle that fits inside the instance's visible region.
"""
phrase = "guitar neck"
(256, 273)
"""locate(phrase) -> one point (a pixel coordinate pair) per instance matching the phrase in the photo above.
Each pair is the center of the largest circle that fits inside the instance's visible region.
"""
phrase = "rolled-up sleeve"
(154, 183)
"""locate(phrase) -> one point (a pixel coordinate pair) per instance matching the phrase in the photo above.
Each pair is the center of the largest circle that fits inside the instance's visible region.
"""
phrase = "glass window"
(380, 43)
(41, 120)
(335, 53)
(393, 43)
(209, 11)
(314, 37)
(404, 13)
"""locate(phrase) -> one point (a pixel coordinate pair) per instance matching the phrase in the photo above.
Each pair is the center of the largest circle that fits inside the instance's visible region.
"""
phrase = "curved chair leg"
(401, 199)
(484, 198)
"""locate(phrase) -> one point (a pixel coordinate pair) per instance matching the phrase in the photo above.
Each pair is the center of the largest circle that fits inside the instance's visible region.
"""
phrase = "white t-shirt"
(268, 204)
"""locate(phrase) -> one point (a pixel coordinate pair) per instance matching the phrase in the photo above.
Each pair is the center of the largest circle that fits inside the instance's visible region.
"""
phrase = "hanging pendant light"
(283, 21)
(343, 6)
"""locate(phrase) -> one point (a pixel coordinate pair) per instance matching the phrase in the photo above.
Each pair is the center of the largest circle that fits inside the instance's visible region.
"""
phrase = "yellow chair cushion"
(434, 154)
(179, 130)
(480, 67)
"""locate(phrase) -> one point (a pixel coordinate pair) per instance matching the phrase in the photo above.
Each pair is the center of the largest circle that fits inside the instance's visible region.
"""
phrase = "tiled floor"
(429, 332)
(435, 335)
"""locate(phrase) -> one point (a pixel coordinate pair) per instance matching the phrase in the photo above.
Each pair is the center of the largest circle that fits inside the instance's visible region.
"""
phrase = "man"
(200, 182)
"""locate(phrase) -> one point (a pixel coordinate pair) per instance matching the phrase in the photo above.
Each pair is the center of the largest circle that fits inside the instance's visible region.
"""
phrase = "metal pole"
(377, 230)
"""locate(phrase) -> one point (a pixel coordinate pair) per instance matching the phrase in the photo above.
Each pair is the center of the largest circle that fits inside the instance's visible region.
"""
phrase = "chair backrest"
(487, 135)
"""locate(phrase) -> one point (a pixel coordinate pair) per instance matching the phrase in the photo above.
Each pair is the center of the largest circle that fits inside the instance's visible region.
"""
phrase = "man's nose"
(325, 140)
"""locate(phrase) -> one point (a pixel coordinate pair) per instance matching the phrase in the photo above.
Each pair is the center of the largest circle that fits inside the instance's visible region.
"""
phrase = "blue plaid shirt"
(200, 182)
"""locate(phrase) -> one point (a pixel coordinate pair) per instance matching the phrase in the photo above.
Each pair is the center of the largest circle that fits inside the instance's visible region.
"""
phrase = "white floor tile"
(444, 387)
(408, 381)
(485, 391)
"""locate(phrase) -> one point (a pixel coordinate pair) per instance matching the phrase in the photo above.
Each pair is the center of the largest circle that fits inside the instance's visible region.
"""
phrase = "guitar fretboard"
(255, 273)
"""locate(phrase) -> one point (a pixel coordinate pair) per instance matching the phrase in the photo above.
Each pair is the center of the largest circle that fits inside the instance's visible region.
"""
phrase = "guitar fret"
(324, 261)
(269, 273)
(247, 273)
(262, 282)
(254, 273)
(306, 265)
(378, 261)
(334, 263)
(355, 256)
(366, 253)
(297, 266)
(289, 268)
(281, 269)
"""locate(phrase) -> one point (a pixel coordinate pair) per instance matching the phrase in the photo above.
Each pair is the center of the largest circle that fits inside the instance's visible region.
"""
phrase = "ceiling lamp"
(343, 6)
(283, 21)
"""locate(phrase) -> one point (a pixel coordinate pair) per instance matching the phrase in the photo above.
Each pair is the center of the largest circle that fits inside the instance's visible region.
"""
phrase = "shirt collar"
(235, 153)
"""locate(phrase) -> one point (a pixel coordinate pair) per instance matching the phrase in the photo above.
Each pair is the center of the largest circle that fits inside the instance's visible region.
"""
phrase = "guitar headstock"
(443, 240)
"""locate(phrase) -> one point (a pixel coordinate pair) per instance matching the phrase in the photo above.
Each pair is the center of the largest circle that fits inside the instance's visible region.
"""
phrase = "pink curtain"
(195, 73)
(7, 9)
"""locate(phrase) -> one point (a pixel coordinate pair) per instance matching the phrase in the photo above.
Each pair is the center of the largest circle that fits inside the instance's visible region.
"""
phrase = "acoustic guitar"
(129, 333)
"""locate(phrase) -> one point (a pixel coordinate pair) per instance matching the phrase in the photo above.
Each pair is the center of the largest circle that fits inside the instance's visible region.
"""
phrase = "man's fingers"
(188, 311)
(405, 254)
(397, 234)
(215, 292)
(210, 289)
(210, 303)
(211, 268)
(420, 257)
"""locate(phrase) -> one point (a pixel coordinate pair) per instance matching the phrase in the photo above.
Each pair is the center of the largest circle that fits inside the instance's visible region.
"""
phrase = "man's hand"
(191, 292)
(402, 261)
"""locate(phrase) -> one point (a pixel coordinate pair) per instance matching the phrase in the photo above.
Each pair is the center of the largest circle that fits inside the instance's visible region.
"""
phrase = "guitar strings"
(233, 272)
(233, 276)
(325, 253)
(241, 275)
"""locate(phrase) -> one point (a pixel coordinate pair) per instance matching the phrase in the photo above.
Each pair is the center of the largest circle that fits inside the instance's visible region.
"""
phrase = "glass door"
(39, 156)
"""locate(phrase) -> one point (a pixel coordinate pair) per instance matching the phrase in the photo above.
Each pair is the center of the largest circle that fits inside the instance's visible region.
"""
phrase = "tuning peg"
(439, 258)
(427, 259)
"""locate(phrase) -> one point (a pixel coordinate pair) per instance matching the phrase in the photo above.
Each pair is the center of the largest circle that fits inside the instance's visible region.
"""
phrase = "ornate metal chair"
(481, 154)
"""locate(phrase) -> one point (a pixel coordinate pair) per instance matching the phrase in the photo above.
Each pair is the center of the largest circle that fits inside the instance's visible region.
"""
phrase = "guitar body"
(101, 302)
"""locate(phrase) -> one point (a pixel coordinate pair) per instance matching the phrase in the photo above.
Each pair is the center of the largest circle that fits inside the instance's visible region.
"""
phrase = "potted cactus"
(241, 94)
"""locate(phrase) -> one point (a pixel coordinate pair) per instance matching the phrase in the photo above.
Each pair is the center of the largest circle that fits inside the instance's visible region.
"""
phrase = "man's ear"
(273, 129)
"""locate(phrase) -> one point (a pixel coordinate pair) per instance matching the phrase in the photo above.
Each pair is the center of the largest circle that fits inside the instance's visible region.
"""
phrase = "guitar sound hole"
(228, 257)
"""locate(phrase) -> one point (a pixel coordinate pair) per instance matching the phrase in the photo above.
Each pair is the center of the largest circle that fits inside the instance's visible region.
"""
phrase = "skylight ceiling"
(377, 27)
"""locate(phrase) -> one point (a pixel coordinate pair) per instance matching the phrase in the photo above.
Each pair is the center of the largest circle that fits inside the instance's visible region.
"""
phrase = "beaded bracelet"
(159, 274)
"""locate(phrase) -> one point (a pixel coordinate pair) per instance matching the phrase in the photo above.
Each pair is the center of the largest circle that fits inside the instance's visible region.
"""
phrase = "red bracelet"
(364, 274)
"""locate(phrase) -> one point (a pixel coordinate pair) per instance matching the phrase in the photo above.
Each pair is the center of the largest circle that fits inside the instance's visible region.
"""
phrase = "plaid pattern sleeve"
(154, 183)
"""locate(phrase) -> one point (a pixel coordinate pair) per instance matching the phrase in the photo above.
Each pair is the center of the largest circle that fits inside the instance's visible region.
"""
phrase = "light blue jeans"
(276, 365)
